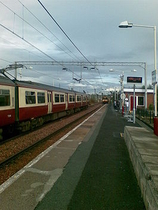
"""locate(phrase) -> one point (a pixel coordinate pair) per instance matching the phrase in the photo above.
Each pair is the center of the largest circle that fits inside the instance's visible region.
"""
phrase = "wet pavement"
(99, 175)
(105, 163)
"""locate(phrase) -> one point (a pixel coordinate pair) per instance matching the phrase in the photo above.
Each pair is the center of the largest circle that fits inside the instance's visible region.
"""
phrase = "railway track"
(18, 152)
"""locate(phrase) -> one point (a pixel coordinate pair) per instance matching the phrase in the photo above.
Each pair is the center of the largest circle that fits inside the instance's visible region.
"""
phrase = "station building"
(139, 97)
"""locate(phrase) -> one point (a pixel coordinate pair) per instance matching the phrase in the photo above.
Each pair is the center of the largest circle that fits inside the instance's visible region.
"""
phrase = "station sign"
(153, 77)
(134, 79)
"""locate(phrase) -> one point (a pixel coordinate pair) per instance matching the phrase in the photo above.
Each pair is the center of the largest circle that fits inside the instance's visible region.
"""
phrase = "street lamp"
(126, 24)
(122, 93)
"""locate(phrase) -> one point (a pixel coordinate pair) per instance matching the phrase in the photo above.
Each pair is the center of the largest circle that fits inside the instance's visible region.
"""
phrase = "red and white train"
(25, 105)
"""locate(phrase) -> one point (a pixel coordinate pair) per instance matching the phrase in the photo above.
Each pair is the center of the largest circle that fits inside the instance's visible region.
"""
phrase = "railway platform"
(90, 168)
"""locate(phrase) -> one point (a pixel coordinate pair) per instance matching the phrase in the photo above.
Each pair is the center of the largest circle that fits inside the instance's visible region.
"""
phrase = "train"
(25, 105)
(105, 100)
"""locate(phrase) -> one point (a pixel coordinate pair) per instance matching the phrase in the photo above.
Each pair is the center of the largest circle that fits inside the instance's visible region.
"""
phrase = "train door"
(49, 96)
(66, 101)
(81, 100)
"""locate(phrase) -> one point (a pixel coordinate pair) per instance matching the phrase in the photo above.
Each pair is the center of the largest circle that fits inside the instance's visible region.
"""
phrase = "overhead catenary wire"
(22, 18)
(30, 42)
(63, 30)
(39, 49)
(66, 35)
(27, 40)
(50, 32)
(32, 45)
(19, 47)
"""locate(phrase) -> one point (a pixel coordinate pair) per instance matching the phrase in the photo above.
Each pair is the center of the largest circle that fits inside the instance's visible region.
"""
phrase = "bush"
(151, 107)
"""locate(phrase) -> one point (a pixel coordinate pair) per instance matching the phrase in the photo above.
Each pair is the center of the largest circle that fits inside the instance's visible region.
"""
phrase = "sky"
(77, 43)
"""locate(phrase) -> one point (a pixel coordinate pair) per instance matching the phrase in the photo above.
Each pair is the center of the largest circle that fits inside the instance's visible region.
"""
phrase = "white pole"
(145, 69)
(126, 24)
(155, 97)
(134, 104)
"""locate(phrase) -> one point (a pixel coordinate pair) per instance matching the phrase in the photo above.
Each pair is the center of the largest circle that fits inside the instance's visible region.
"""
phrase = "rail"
(14, 156)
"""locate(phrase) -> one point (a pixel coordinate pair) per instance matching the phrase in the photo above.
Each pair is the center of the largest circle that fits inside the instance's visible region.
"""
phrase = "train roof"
(30, 84)
(5, 81)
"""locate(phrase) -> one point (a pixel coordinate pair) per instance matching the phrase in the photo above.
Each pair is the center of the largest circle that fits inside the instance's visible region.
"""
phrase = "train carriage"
(32, 103)
(59, 101)
(105, 100)
(71, 101)
(26, 105)
(81, 100)
(84, 100)
(78, 103)
(7, 102)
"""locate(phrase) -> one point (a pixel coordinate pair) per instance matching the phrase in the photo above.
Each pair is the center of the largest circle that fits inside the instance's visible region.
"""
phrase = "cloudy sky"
(74, 34)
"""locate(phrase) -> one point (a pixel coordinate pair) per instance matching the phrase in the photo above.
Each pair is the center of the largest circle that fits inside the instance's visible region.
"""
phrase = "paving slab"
(27, 187)
(143, 150)
(99, 175)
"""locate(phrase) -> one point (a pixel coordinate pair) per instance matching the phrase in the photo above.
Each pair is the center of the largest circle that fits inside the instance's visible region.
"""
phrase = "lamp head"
(125, 24)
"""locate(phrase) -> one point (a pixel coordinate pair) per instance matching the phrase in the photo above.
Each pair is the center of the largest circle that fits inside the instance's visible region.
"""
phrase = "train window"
(4, 97)
(30, 97)
(57, 98)
(78, 98)
(41, 97)
(84, 98)
(61, 98)
(71, 98)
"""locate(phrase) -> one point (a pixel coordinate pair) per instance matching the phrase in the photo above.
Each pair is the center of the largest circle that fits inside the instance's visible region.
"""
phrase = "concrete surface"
(90, 168)
(143, 150)
(99, 175)
(26, 188)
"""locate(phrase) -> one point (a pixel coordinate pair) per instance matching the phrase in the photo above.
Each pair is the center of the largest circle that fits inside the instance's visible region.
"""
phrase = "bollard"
(122, 110)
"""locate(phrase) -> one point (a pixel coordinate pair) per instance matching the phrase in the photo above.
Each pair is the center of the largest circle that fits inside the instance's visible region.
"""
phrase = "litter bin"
(156, 126)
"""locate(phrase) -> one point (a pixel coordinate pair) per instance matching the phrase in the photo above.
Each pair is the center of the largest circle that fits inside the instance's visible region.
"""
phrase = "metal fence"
(145, 115)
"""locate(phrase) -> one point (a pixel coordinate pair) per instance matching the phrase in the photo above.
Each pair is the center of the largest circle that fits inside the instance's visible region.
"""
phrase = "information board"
(134, 79)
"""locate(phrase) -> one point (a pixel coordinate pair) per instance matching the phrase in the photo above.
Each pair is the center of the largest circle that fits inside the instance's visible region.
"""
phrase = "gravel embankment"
(10, 148)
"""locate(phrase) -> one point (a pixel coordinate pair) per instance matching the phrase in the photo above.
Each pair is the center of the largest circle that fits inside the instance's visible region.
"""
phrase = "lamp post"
(126, 24)
(122, 93)
(122, 89)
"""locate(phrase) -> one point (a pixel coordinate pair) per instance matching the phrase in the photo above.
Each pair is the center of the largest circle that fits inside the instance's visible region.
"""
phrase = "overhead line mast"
(101, 63)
